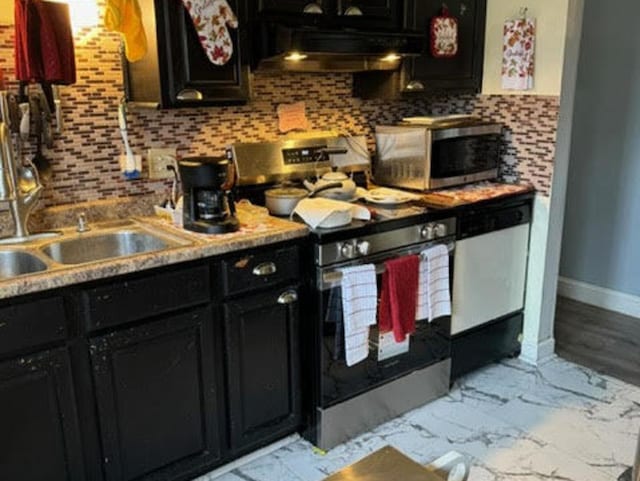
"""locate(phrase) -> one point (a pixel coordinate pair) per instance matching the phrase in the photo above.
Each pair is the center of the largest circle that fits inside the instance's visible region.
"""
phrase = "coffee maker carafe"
(208, 200)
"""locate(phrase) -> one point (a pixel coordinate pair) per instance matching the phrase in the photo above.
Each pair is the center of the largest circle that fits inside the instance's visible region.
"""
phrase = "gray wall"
(602, 226)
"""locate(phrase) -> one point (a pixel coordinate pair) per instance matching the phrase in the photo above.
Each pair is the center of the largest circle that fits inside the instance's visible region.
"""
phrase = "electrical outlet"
(158, 160)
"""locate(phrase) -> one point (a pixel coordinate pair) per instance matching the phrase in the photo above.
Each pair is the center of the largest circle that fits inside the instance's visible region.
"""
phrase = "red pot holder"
(444, 35)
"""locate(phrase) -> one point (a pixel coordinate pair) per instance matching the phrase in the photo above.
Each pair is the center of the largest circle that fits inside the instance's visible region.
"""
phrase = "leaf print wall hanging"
(518, 53)
(212, 20)
(444, 35)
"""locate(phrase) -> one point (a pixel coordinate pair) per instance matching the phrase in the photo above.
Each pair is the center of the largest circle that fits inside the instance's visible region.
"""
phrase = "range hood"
(313, 49)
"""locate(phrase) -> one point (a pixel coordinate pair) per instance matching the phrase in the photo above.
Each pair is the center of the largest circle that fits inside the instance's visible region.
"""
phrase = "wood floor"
(604, 341)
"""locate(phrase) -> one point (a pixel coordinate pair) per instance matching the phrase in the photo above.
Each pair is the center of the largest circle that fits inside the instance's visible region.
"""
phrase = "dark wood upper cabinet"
(38, 419)
(176, 71)
(426, 74)
(462, 72)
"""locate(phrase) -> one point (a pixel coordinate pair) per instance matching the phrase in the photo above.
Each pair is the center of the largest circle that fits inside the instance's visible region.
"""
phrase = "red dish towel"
(44, 42)
(397, 309)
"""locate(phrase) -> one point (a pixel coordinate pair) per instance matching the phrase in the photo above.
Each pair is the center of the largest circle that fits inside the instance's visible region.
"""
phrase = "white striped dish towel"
(434, 296)
(359, 308)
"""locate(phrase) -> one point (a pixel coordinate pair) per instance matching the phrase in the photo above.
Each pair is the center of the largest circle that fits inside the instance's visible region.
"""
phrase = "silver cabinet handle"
(190, 94)
(288, 297)
(415, 85)
(265, 269)
(353, 11)
(313, 7)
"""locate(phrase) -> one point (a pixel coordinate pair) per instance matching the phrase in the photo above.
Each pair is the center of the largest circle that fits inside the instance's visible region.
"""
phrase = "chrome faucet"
(20, 203)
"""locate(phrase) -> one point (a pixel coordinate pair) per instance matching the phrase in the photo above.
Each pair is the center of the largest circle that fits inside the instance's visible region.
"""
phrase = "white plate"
(388, 201)
(386, 196)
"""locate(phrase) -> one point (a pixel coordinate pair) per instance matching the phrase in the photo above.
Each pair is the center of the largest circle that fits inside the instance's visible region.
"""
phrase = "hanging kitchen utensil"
(444, 35)
(39, 160)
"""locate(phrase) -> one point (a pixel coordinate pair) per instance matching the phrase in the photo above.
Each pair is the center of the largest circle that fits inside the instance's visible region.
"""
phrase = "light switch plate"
(158, 160)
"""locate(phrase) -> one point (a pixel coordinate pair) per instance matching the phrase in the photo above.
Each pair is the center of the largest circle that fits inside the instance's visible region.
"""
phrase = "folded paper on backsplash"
(292, 117)
(518, 61)
(212, 20)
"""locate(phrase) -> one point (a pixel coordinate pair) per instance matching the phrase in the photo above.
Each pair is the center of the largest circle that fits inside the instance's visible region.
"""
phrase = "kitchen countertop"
(255, 231)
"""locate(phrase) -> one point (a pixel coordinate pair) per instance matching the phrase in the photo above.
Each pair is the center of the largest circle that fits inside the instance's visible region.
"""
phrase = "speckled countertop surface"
(255, 231)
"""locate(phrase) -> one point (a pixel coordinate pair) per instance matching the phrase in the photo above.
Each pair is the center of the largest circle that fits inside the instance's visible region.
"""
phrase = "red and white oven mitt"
(211, 19)
(444, 35)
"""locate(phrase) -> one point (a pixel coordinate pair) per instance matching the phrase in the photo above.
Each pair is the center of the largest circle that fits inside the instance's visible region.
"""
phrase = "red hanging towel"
(44, 42)
(397, 309)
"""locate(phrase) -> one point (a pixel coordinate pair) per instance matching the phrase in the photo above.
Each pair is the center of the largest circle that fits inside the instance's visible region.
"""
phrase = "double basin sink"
(76, 249)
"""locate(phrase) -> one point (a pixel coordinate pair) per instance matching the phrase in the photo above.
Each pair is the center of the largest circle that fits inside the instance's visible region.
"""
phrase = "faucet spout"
(21, 204)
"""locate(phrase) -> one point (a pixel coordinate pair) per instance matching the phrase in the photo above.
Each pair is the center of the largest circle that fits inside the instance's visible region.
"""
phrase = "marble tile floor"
(558, 421)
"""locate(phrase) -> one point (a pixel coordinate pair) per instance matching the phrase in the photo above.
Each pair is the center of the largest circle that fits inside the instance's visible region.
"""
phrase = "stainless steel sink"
(16, 263)
(91, 248)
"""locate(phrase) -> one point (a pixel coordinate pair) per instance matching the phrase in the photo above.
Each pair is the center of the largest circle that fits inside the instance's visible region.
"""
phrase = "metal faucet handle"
(83, 225)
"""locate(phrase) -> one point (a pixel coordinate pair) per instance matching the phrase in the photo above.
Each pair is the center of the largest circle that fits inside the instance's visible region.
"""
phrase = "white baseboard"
(536, 354)
(599, 296)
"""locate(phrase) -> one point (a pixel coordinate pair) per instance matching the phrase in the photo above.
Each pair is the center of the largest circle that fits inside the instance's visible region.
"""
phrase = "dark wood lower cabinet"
(39, 436)
(262, 367)
(157, 396)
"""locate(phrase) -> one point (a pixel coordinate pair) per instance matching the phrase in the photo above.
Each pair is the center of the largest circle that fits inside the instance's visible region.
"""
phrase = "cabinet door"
(462, 72)
(40, 439)
(263, 367)
(190, 78)
(157, 397)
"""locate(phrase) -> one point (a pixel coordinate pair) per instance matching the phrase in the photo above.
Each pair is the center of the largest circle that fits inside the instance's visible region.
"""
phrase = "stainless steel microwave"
(424, 158)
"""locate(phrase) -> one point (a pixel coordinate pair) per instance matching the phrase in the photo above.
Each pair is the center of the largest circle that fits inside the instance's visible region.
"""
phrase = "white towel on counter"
(321, 212)
(434, 295)
(359, 308)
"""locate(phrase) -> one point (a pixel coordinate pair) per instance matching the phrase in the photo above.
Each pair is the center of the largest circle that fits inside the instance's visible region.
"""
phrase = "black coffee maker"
(208, 199)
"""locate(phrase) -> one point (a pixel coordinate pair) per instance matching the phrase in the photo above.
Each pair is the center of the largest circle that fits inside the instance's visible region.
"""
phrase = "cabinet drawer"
(31, 324)
(252, 271)
(132, 300)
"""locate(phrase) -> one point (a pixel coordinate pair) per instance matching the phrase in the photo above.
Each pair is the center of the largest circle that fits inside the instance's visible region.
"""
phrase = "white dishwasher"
(490, 271)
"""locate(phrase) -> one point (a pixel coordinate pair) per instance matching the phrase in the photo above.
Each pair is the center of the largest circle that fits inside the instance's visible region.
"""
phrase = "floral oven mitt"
(211, 18)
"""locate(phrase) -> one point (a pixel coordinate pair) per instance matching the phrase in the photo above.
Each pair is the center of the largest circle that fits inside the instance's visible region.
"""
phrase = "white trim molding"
(536, 354)
(599, 296)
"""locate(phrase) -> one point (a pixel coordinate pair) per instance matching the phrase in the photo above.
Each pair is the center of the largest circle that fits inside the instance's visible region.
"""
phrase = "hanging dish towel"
(211, 19)
(124, 16)
(44, 49)
(518, 59)
(359, 300)
(397, 311)
(434, 295)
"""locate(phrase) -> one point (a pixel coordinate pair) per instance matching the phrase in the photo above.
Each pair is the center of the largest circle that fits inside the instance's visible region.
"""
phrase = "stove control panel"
(305, 155)
(434, 230)
(357, 248)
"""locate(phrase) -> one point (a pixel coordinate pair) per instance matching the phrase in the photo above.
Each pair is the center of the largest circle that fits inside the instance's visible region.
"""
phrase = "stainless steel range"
(345, 401)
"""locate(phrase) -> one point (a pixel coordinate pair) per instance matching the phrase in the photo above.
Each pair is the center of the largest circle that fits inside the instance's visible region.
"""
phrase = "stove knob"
(427, 232)
(363, 248)
(441, 230)
(348, 250)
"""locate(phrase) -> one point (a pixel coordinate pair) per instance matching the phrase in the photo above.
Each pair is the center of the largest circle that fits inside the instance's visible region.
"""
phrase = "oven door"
(463, 155)
(428, 345)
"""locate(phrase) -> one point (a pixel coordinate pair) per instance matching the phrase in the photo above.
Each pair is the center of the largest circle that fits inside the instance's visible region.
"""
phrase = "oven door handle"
(333, 278)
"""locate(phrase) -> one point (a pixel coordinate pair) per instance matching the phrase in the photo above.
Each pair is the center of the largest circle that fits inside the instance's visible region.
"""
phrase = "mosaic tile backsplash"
(84, 158)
